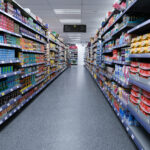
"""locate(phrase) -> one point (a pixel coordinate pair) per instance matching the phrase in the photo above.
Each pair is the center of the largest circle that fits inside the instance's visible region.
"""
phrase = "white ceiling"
(92, 13)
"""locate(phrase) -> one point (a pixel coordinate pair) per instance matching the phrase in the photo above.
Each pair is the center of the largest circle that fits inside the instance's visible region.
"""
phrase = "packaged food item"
(145, 100)
(146, 94)
(134, 100)
(144, 73)
(135, 88)
(135, 93)
(145, 66)
(144, 108)
(135, 64)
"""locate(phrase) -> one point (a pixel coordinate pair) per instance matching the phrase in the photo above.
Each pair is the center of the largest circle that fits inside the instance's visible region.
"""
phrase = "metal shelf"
(129, 8)
(121, 82)
(10, 45)
(20, 22)
(32, 51)
(146, 55)
(139, 117)
(32, 38)
(29, 74)
(108, 63)
(121, 62)
(9, 74)
(31, 87)
(9, 32)
(11, 102)
(42, 73)
(140, 28)
(125, 27)
(140, 84)
(137, 134)
(9, 61)
(9, 114)
(54, 50)
(30, 65)
(3, 93)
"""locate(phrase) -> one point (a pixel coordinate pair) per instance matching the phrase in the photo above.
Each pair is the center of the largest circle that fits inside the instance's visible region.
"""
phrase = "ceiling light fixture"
(70, 21)
(67, 11)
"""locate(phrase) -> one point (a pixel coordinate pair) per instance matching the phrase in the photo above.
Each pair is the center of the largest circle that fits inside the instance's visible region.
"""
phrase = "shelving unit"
(73, 54)
(114, 75)
(24, 59)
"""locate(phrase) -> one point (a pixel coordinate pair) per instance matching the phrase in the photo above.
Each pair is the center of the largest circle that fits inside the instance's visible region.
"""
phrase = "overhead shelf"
(20, 22)
(140, 28)
(127, 10)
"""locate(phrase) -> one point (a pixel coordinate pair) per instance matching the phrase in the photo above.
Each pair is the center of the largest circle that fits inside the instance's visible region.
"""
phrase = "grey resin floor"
(71, 114)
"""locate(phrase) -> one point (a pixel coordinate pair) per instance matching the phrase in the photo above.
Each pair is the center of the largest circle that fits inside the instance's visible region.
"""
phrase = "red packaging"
(134, 100)
(144, 73)
(146, 94)
(134, 70)
(145, 66)
(135, 64)
(135, 94)
(144, 108)
(135, 88)
(145, 100)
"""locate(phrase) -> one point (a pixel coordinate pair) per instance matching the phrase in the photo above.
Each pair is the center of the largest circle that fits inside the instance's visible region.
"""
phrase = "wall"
(81, 50)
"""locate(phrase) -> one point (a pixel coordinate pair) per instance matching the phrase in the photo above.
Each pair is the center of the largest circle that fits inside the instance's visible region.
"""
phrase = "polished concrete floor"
(71, 114)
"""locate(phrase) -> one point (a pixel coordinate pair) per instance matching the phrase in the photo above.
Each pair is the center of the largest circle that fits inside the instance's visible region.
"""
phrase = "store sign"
(75, 28)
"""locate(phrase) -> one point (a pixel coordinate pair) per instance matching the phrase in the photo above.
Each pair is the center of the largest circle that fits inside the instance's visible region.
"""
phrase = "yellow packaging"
(133, 45)
(143, 50)
(139, 39)
(133, 40)
(146, 36)
(138, 44)
(144, 43)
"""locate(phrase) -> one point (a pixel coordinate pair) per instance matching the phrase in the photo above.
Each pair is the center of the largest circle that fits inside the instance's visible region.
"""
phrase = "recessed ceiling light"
(70, 21)
(67, 11)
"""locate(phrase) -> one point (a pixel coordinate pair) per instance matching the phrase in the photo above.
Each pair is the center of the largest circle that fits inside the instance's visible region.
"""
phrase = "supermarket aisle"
(71, 114)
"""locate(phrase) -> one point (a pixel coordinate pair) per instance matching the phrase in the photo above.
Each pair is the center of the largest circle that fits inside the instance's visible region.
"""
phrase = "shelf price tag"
(2, 94)
(132, 136)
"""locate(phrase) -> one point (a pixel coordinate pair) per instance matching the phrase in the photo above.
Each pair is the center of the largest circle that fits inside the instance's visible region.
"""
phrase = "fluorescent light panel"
(67, 11)
(70, 21)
